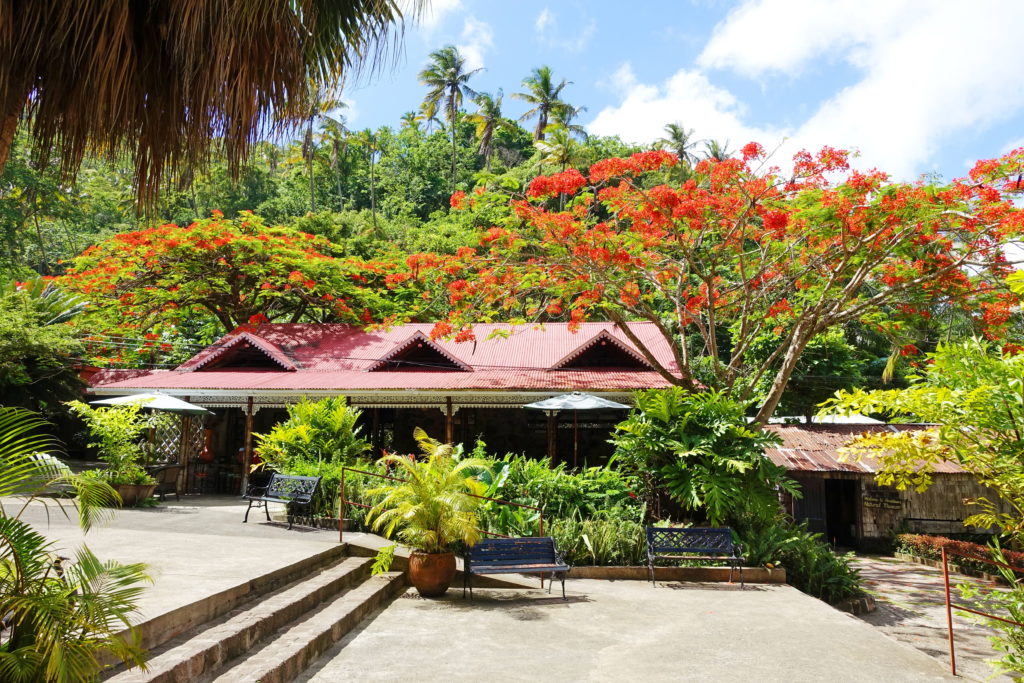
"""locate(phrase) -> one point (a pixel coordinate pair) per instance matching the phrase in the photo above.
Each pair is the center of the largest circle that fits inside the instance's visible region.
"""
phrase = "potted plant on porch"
(119, 433)
(432, 510)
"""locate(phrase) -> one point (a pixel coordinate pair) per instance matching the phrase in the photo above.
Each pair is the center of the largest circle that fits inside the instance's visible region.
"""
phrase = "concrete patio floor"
(621, 630)
(195, 547)
(607, 630)
(912, 609)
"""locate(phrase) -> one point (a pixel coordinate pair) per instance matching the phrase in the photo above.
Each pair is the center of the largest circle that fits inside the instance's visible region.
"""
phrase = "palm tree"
(562, 116)
(335, 134)
(713, 149)
(559, 148)
(410, 120)
(446, 77)
(428, 115)
(679, 141)
(61, 619)
(162, 80)
(488, 120)
(320, 103)
(543, 94)
(367, 139)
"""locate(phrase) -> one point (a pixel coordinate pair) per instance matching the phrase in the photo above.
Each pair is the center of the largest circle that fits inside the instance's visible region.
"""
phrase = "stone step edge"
(208, 650)
(286, 656)
(165, 627)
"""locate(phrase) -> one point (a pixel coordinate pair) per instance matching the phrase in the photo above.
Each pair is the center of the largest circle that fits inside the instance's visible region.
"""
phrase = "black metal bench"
(705, 543)
(294, 491)
(536, 555)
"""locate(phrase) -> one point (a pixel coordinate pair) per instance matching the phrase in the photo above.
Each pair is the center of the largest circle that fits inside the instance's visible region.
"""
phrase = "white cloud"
(927, 71)
(582, 39)
(548, 34)
(544, 20)
(477, 38)
(688, 96)
(433, 13)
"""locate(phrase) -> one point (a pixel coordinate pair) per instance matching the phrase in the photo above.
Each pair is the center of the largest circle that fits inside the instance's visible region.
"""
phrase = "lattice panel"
(167, 441)
(193, 436)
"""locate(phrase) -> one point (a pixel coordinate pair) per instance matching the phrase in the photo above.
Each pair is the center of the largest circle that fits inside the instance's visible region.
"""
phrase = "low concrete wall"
(697, 574)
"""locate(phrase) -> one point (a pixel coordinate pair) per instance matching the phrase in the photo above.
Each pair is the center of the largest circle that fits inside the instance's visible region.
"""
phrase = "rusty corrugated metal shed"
(815, 448)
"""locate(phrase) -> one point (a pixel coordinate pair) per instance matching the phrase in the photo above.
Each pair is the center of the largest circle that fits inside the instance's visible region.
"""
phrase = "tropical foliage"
(701, 451)
(37, 350)
(59, 618)
(119, 434)
(163, 81)
(433, 508)
(975, 396)
(737, 252)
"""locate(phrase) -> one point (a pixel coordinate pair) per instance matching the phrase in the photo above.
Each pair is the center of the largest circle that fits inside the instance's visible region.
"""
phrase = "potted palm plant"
(119, 434)
(432, 509)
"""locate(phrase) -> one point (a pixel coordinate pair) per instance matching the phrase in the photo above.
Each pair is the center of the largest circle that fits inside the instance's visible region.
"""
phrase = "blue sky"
(916, 86)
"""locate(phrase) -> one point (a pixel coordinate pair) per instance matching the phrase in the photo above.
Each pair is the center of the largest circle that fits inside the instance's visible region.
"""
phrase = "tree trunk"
(452, 119)
(373, 194)
(309, 165)
(9, 125)
(801, 336)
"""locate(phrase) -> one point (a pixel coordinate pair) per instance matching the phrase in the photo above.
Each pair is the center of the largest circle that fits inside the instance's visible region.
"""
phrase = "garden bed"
(693, 574)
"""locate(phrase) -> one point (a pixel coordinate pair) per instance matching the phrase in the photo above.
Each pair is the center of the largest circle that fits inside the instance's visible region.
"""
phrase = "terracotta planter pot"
(431, 574)
(133, 494)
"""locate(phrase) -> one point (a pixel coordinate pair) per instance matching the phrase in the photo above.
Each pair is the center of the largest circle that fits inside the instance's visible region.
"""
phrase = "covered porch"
(219, 449)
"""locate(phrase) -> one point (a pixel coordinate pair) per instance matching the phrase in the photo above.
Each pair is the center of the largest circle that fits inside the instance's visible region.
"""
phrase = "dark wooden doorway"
(841, 512)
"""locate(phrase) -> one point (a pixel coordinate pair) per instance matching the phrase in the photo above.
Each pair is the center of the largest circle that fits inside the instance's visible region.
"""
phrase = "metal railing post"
(949, 612)
(341, 508)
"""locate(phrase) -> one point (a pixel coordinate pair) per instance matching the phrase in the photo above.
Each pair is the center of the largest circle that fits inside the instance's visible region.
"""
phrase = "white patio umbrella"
(155, 401)
(576, 401)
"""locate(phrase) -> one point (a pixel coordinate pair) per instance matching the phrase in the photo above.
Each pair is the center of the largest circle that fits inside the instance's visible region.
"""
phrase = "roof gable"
(602, 351)
(245, 350)
(418, 352)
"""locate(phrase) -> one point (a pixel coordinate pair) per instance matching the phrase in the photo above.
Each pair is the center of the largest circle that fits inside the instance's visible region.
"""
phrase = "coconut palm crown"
(433, 508)
(162, 80)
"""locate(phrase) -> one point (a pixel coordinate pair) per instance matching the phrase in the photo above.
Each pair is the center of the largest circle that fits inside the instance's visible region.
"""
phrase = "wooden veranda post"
(449, 421)
(552, 436)
(247, 455)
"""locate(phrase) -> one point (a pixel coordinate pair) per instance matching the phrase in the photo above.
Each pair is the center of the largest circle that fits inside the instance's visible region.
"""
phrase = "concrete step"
(163, 628)
(294, 648)
(205, 650)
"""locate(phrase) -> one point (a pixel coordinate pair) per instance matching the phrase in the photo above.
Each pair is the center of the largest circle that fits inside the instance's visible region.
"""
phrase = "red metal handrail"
(950, 605)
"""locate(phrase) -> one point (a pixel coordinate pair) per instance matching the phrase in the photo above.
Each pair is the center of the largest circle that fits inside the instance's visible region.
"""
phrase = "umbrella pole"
(552, 436)
(575, 439)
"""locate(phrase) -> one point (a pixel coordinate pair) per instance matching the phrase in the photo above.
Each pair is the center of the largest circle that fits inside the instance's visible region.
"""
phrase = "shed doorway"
(841, 512)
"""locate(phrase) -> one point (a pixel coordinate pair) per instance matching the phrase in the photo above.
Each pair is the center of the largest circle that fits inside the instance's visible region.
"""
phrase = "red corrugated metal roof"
(815, 448)
(339, 357)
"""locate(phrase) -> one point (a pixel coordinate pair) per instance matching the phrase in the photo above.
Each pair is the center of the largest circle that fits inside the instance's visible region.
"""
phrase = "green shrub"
(600, 541)
(317, 440)
(561, 494)
(322, 431)
(1006, 603)
(700, 450)
(811, 565)
(930, 547)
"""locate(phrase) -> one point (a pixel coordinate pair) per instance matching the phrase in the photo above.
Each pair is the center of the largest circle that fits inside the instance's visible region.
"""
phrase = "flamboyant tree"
(239, 271)
(740, 250)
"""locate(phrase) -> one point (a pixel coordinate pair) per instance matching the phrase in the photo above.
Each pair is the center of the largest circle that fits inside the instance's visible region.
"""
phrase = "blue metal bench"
(536, 555)
(294, 491)
(705, 543)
